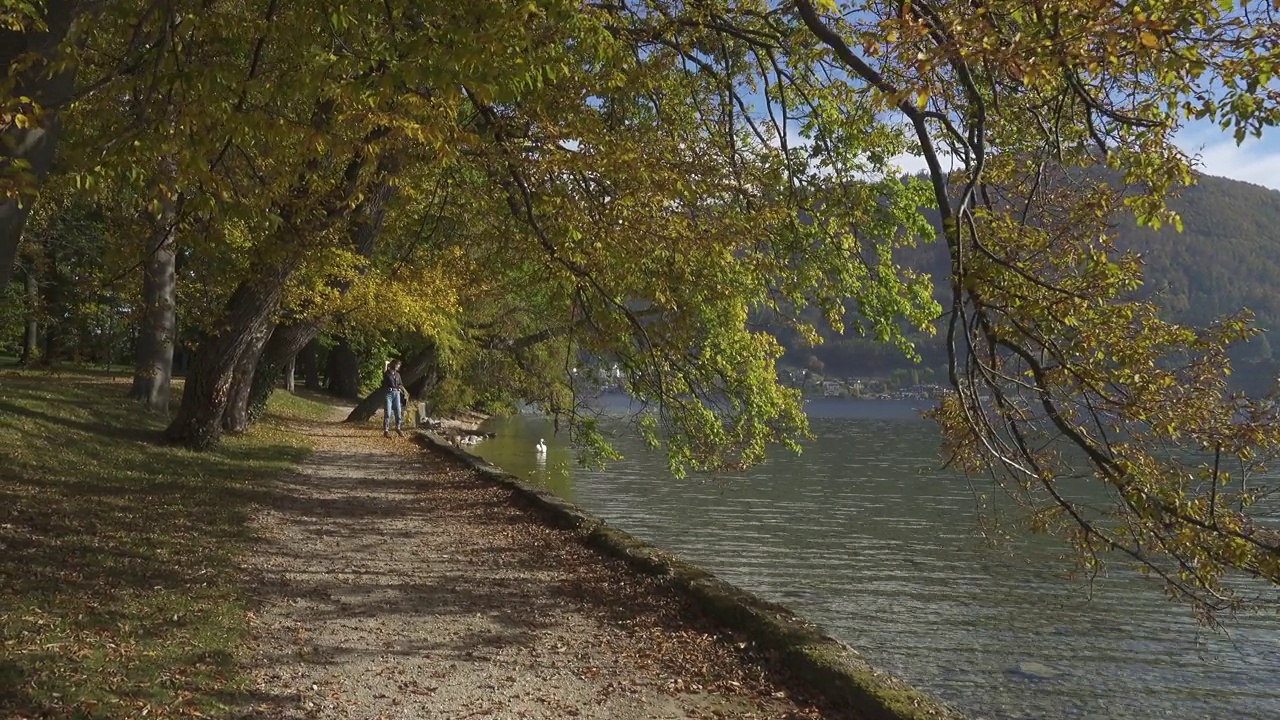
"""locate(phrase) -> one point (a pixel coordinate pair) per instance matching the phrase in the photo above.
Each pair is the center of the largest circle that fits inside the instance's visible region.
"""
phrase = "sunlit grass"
(305, 405)
(120, 593)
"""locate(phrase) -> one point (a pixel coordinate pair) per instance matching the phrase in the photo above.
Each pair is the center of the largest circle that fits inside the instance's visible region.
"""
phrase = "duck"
(541, 447)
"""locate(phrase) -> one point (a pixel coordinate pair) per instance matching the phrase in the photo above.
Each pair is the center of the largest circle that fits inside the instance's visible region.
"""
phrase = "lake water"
(865, 535)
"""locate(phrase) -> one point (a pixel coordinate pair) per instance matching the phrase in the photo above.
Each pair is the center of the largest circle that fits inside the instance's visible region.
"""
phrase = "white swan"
(541, 447)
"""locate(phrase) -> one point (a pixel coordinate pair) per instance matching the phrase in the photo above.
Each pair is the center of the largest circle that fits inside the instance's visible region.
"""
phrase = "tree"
(40, 80)
(31, 327)
(153, 364)
(78, 316)
(636, 182)
(1027, 102)
(287, 340)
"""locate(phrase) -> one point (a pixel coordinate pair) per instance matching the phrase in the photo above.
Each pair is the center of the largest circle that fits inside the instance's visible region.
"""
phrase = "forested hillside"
(1226, 258)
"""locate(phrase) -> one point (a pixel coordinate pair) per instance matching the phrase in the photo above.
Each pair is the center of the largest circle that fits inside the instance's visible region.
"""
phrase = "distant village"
(902, 385)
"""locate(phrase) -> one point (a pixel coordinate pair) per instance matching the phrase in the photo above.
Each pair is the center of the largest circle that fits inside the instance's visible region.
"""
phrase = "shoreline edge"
(815, 661)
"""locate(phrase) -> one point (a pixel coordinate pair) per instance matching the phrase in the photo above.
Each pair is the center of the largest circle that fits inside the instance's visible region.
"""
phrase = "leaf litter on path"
(398, 583)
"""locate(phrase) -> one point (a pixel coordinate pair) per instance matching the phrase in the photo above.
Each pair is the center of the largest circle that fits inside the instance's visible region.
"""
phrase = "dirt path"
(398, 584)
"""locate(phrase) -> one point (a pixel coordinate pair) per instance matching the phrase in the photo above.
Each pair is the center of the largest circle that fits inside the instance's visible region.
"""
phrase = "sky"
(1256, 160)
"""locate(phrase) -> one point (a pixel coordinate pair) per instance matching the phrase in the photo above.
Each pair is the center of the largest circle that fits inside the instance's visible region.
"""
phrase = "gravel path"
(396, 583)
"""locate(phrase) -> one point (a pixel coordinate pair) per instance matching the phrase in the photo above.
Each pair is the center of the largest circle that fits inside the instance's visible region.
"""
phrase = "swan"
(541, 447)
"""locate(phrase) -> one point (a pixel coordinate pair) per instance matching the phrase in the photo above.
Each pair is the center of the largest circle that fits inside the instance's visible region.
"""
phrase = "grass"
(120, 582)
(302, 405)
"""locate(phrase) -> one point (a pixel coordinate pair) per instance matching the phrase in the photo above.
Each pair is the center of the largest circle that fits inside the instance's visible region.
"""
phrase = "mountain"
(1227, 257)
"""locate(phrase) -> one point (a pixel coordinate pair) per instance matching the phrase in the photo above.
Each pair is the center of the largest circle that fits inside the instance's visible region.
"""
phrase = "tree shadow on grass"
(117, 553)
(63, 423)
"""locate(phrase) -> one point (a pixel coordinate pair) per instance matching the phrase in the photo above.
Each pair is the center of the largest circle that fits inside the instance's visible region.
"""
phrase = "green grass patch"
(120, 580)
(304, 405)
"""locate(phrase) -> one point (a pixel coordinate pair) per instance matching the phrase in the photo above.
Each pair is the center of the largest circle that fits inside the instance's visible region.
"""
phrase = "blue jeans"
(391, 404)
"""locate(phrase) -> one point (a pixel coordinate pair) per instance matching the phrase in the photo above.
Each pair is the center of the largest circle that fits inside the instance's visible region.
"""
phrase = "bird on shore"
(541, 447)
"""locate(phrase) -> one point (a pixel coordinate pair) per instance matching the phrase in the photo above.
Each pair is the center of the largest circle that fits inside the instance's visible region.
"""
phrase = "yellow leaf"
(1148, 38)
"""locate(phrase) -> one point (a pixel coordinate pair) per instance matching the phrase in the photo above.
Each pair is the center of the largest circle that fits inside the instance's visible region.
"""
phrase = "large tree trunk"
(31, 329)
(47, 87)
(208, 385)
(344, 371)
(415, 369)
(181, 361)
(250, 312)
(153, 369)
(288, 340)
(236, 420)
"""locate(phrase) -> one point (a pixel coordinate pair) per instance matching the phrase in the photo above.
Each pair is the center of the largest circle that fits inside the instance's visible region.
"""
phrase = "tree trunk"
(309, 358)
(366, 224)
(237, 419)
(51, 346)
(344, 371)
(31, 329)
(285, 344)
(419, 389)
(290, 384)
(417, 368)
(50, 88)
(208, 386)
(51, 292)
(252, 307)
(289, 340)
(153, 369)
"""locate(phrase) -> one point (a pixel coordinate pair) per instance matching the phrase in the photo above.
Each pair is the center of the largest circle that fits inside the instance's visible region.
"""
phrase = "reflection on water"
(863, 534)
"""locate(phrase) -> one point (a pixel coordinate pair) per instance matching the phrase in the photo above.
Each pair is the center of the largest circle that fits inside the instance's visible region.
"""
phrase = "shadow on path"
(394, 582)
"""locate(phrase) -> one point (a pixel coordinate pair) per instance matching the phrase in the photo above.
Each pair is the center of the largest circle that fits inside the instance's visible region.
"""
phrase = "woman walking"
(393, 387)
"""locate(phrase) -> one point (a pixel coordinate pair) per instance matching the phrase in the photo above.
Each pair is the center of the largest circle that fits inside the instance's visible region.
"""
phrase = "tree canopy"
(1224, 260)
(531, 187)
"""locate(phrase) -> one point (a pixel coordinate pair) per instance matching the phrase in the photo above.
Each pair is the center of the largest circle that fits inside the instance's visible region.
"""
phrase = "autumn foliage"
(529, 188)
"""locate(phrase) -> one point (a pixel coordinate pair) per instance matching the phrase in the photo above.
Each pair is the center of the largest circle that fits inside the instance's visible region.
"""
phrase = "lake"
(865, 535)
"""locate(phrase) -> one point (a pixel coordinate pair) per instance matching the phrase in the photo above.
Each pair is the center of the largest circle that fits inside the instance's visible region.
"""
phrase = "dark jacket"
(391, 380)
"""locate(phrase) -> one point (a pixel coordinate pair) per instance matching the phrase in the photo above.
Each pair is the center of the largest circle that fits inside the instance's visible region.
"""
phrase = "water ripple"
(863, 534)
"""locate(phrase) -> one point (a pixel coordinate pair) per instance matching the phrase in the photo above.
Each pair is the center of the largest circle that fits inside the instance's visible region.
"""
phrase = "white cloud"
(908, 163)
(1255, 160)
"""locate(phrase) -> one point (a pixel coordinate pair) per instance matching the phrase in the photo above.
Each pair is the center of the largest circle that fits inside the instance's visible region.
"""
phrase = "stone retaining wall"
(821, 664)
